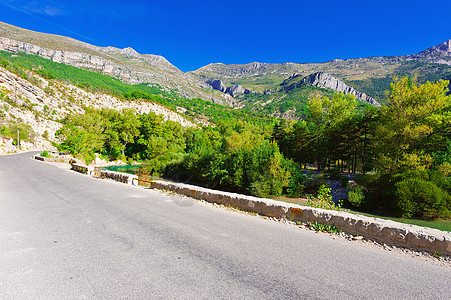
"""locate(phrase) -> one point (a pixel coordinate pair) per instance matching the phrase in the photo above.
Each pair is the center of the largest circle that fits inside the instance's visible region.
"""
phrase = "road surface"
(64, 235)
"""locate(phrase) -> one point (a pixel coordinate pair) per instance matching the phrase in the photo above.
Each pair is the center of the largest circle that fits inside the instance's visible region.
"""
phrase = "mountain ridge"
(262, 76)
(125, 64)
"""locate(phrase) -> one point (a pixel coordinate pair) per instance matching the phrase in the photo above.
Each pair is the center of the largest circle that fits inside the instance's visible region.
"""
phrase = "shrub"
(297, 183)
(417, 197)
(45, 153)
(323, 227)
(260, 189)
(323, 199)
(356, 196)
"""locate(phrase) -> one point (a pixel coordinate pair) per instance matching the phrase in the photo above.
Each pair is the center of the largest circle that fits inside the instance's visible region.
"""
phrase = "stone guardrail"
(118, 176)
(98, 173)
(87, 170)
(382, 231)
(53, 159)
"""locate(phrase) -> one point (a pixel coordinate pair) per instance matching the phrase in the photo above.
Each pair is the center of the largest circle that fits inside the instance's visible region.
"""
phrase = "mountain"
(125, 64)
(262, 76)
(371, 75)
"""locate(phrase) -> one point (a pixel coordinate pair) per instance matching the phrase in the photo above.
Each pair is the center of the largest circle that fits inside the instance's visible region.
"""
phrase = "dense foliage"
(232, 156)
(410, 135)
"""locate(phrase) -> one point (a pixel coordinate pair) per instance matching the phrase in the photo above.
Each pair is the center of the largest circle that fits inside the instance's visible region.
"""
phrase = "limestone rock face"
(438, 54)
(325, 80)
(235, 90)
(217, 85)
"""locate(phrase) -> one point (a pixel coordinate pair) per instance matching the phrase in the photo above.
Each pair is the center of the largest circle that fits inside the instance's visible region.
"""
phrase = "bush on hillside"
(356, 197)
(417, 197)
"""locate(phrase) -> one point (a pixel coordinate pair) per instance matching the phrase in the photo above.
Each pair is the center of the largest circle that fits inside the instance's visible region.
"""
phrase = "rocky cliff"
(440, 54)
(325, 80)
(233, 90)
(217, 85)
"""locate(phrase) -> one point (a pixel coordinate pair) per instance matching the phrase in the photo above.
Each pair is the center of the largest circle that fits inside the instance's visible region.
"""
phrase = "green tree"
(83, 134)
(324, 115)
(415, 121)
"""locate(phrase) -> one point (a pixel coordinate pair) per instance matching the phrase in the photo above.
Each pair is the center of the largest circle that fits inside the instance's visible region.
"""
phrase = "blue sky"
(191, 34)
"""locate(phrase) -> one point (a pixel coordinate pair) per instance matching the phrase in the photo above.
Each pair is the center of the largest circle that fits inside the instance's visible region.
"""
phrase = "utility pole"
(18, 141)
(15, 91)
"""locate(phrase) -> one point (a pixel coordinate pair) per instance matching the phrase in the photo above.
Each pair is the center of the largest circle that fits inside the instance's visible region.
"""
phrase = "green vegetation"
(356, 197)
(239, 158)
(231, 156)
(405, 145)
(323, 227)
(45, 153)
(323, 199)
(16, 130)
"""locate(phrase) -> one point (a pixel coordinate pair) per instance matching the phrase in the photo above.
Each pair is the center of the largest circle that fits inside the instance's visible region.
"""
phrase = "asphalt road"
(64, 235)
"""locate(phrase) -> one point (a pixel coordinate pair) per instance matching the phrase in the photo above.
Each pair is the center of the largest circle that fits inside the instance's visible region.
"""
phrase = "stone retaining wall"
(120, 177)
(83, 169)
(63, 158)
(382, 231)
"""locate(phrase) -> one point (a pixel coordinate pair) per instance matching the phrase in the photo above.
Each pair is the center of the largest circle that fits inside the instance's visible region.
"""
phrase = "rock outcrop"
(233, 90)
(438, 54)
(325, 80)
(217, 85)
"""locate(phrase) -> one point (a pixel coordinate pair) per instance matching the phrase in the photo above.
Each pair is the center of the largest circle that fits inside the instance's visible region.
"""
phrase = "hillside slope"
(35, 105)
(124, 64)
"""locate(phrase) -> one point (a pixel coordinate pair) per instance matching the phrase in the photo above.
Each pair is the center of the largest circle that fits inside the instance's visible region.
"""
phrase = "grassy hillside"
(82, 78)
(96, 82)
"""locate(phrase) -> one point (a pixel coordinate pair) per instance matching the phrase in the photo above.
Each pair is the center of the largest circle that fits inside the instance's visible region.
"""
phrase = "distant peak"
(129, 51)
(443, 47)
